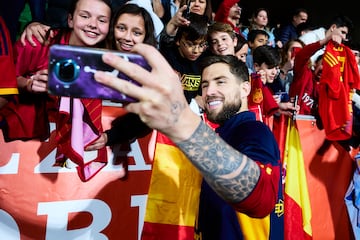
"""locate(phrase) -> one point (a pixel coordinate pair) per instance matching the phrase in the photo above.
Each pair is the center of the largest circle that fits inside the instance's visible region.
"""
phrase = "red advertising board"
(40, 201)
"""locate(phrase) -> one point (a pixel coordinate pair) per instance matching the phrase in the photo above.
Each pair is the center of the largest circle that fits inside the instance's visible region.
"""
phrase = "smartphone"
(186, 13)
(72, 68)
(296, 99)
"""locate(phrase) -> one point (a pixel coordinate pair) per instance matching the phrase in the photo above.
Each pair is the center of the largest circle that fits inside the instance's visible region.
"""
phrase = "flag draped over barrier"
(173, 196)
(296, 198)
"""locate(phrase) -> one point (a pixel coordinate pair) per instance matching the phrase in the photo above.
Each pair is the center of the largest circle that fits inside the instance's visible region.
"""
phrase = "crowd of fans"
(293, 67)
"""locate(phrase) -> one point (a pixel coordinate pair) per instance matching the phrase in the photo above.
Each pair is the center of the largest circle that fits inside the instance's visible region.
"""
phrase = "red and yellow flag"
(297, 208)
(173, 196)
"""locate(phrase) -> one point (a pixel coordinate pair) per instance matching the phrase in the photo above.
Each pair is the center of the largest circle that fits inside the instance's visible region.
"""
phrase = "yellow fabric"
(295, 179)
(8, 91)
(260, 232)
(174, 188)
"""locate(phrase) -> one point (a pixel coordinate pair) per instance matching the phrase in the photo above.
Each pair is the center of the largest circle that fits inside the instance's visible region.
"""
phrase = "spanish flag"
(297, 208)
(173, 196)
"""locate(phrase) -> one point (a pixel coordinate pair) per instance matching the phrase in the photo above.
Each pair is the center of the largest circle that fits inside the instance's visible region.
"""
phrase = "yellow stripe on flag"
(295, 180)
(174, 188)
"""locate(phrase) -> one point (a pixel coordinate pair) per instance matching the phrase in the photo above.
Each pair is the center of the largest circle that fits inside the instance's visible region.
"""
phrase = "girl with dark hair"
(130, 24)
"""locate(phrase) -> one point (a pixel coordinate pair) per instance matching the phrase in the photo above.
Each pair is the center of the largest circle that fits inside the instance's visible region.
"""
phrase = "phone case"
(72, 68)
(186, 13)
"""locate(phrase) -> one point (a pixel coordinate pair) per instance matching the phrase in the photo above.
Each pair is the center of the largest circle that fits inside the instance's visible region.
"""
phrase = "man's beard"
(228, 111)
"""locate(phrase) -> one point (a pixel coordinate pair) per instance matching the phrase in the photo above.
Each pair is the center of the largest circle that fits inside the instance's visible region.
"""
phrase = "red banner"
(39, 201)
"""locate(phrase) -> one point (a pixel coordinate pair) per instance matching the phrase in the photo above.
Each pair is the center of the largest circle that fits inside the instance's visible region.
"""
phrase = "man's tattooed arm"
(230, 173)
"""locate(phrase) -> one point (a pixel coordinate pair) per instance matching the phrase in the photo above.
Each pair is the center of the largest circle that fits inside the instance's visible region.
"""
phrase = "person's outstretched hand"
(162, 104)
(178, 20)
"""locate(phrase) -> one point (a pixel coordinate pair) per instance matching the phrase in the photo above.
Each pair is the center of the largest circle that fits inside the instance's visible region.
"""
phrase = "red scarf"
(78, 125)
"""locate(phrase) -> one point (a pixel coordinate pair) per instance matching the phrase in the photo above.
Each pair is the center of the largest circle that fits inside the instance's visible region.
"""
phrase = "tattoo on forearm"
(230, 173)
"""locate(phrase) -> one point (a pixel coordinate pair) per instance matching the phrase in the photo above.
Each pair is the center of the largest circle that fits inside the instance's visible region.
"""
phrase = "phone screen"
(72, 69)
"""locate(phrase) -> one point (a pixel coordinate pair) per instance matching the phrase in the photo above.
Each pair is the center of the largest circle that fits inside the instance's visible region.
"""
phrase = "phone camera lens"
(67, 70)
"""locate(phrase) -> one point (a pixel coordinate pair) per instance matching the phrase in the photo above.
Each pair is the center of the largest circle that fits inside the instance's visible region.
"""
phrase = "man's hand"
(162, 104)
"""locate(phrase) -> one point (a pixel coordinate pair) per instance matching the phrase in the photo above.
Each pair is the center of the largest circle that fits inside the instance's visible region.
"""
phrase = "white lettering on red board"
(57, 211)
(46, 165)
(9, 229)
(12, 165)
(57, 219)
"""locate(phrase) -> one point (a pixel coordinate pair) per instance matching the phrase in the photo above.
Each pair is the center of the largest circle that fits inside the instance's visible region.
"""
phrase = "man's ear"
(246, 88)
